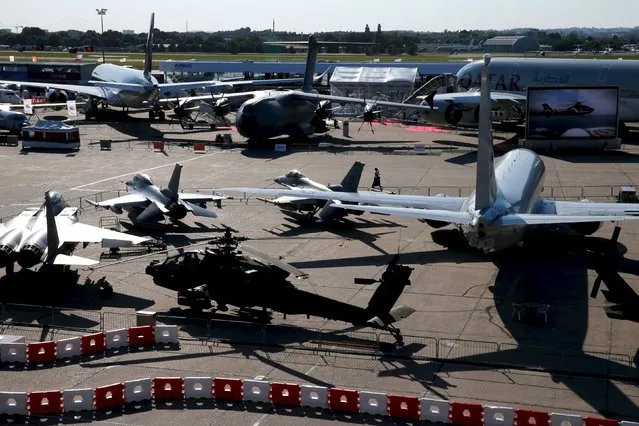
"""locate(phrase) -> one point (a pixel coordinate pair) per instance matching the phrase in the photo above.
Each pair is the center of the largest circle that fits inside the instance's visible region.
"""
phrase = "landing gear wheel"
(151, 115)
(160, 115)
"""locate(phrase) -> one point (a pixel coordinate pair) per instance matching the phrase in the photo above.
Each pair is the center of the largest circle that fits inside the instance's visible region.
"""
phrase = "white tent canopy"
(393, 84)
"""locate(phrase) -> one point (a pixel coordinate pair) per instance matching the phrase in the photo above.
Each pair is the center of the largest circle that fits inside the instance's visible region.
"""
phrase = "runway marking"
(79, 187)
(257, 423)
(310, 370)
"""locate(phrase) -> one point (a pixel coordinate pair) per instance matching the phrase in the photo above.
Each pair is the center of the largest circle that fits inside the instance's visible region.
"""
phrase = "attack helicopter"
(224, 274)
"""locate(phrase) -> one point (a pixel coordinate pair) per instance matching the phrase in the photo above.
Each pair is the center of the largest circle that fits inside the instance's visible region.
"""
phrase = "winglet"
(486, 186)
(174, 183)
(148, 53)
(53, 240)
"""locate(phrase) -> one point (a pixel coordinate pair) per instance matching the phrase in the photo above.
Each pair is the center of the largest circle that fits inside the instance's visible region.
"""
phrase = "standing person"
(377, 180)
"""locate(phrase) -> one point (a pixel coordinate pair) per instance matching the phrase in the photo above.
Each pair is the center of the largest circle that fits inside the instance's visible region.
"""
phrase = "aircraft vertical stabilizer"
(486, 186)
(350, 183)
(148, 52)
(53, 240)
(174, 183)
(311, 59)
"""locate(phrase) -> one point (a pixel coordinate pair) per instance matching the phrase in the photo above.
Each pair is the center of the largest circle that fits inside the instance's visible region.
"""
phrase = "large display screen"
(572, 112)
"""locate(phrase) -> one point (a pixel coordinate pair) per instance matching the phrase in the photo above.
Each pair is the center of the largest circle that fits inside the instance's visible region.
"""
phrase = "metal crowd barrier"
(15, 318)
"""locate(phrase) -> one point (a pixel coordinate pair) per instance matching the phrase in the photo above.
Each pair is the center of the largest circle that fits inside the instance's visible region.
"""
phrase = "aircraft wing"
(129, 200)
(82, 233)
(461, 218)
(173, 87)
(95, 91)
(20, 107)
(347, 100)
(362, 197)
(562, 208)
(199, 198)
(289, 200)
(553, 219)
(186, 99)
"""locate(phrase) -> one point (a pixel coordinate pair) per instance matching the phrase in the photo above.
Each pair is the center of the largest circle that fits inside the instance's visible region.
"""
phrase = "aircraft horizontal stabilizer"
(197, 210)
(401, 312)
(552, 219)
(63, 259)
(462, 218)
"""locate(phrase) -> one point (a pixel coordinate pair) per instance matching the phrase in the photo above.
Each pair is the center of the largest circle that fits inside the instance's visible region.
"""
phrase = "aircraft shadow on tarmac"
(63, 289)
(300, 225)
(537, 276)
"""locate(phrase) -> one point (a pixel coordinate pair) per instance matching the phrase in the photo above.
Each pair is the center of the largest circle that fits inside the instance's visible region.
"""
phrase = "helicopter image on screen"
(225, 275)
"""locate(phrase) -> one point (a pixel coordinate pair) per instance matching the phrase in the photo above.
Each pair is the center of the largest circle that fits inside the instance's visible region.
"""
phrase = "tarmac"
(462, 343)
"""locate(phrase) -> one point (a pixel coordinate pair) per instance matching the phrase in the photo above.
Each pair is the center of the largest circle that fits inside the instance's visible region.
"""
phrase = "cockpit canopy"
(56, 197)
(142, 178)
(294, 174)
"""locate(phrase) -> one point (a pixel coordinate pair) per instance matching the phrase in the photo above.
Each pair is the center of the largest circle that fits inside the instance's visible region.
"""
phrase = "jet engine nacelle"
(222, 107)
(177, 210)
(585, 228)
(32, 249)
(116, 209)
(56, 96)
(8, 244)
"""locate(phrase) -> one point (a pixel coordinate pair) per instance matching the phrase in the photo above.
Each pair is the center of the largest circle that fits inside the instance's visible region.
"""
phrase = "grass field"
(136, 59)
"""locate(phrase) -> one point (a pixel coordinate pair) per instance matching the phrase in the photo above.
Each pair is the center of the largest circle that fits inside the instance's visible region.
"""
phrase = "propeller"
(370, 114)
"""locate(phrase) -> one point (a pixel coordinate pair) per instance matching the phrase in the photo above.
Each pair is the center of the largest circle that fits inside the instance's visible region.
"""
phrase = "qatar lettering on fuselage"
(510, 82)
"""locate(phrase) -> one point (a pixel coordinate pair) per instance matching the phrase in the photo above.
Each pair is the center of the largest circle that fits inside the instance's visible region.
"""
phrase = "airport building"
(47, 72)
(186, 70)
(510, 44)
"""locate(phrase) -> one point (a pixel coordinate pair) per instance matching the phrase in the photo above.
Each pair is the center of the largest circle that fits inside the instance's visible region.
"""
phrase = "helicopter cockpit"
(295, 174)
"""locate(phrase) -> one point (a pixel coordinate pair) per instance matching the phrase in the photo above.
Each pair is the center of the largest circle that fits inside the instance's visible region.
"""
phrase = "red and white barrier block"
(14, 350)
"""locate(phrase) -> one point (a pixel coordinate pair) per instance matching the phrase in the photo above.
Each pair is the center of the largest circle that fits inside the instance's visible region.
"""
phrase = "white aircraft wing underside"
(94, 91)
(562, 208)
(553, 219)
(199, 198)
(173, 87)
(346, 100)
(363, 197)
(129, 200)
(461, 218)
(83, 233)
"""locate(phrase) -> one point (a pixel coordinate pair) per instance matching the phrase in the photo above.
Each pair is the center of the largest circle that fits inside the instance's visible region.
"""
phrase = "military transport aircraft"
(272, 113)
(125, 87)
(295, 180)
(505, 203)
(50, 233)
(146, 203)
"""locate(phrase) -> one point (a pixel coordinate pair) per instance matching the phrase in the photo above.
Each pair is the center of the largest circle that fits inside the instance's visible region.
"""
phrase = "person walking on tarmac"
(377, 180)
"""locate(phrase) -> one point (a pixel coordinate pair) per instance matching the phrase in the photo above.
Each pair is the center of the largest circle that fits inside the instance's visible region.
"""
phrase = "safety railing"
(14, 318)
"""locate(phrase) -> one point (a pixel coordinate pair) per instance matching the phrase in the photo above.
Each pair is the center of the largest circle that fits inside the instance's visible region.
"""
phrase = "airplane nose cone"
(247, 125)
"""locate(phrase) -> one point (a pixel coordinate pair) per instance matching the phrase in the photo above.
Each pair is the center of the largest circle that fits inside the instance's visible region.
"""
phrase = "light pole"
(102, 12)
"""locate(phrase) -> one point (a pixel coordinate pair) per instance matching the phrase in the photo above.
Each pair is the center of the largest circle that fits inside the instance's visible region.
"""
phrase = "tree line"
(245, 40)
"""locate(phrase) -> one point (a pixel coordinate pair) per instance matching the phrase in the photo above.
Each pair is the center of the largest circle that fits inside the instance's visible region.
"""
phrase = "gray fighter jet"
(293, 179)
(146, 203)
(50, 233)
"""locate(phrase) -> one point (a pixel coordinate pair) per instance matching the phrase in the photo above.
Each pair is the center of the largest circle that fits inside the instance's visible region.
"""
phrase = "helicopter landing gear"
(396, 333)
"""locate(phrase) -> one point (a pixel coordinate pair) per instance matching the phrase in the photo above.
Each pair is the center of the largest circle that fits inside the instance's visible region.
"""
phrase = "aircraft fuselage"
(517, 74)
(122, 97)
(519, 176)
(275, 114)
